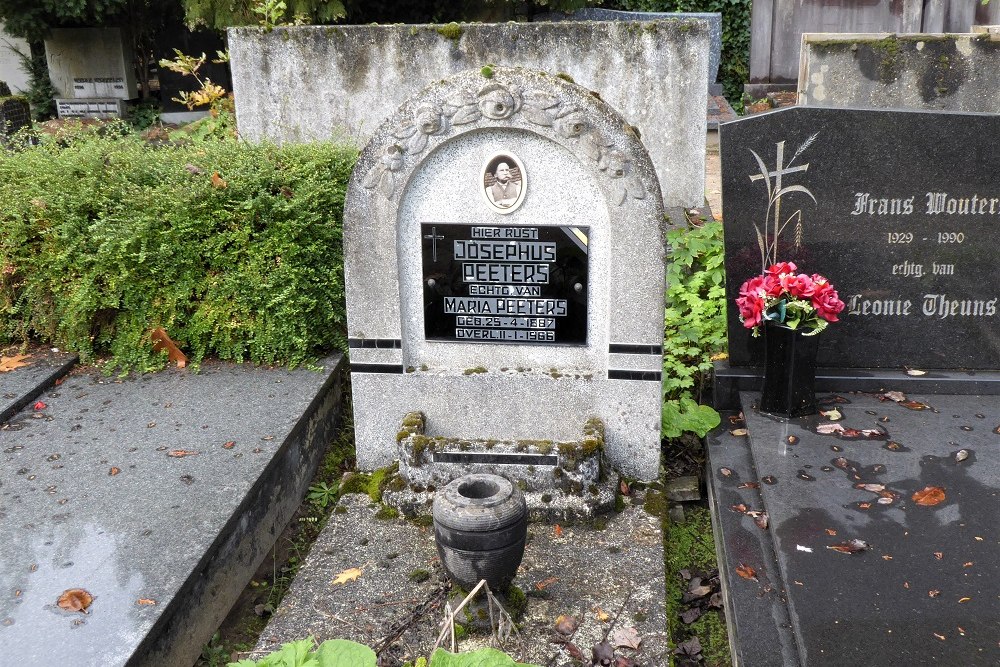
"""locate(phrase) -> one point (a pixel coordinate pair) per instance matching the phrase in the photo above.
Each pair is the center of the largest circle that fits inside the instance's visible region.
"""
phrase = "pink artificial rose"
(751, 286)
(827, 303)
(751, 309)
(782, 267)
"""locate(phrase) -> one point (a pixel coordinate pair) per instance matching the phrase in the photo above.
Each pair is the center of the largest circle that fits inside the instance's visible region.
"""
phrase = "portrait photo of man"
(503, 182)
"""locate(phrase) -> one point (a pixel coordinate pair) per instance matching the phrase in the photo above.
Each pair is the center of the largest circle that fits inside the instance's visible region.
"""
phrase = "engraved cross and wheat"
(768, 236)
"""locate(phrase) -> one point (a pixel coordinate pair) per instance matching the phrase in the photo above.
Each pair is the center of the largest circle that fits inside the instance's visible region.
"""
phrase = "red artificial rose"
(827, 303)
(799, 286)
(751, 309)
(782, 267)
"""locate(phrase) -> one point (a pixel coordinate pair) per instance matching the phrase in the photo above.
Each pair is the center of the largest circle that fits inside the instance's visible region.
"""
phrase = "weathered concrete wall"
(881, 71)
(307, 83)
(10, 64)
(777, 26)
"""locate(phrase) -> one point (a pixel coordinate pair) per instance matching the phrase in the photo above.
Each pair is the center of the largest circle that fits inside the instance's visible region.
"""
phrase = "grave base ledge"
(565, 481)
(730, 381)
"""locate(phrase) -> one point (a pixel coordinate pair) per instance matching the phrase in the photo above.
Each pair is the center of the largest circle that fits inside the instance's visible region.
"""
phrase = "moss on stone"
(355, 483)
(474, 370)
(546, 498)
(422, 520)
(487, 72)
(656, 504)
(340, 509)
(565, 77)
(419, 575)
(378, 481)
(386, 513)
(517, 601)
(451, 31)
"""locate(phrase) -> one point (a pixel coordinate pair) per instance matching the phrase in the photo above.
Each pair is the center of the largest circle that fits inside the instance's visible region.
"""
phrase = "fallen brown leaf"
(229, 445)
(933, 593)
(8, 364)
(347, 575)
(574, 651)
(746, 572)
(601, 615)
(738, 432)
(566, 625)
(181, 453)
(558, 530)
(145, 601)
(114, 471)
(626, 638)
(850, 547)
(75, 599)
(929, 496)
(218, 182)
(544, 583)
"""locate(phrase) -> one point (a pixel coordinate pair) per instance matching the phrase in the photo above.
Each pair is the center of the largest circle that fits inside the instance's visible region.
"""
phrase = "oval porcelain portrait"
(504, 183)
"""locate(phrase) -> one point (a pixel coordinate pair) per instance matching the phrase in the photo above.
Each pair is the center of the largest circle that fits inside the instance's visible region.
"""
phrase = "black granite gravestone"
(898, 209)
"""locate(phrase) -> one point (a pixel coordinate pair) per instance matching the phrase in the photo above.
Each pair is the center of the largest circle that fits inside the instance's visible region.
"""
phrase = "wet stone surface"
(883, 522)
(120, 487)
(23, 373)
(579, 571)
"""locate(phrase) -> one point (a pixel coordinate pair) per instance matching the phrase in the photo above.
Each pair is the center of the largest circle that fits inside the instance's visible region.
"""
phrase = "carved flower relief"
(570, 126)
(497, 102)
(429, 119)
(382, 175)
(623, 181)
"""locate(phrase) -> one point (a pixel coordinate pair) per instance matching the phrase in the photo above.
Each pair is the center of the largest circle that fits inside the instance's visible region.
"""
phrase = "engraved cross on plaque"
(779, 168)
(434, 238)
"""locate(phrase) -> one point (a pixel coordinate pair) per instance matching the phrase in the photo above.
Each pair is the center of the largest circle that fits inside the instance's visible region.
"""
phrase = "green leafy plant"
(694, 326)
(322, 494)
(234, 249)
(41, 93)
(344, 653)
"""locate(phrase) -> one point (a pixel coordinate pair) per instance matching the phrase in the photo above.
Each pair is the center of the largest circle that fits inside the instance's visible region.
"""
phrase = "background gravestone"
(506, 322)
(311, 83)
(92, 68)
(901, 213)
(918, 71)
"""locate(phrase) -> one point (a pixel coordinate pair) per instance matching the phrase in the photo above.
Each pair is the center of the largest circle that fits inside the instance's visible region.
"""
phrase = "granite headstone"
(899, 209)
(504, 267)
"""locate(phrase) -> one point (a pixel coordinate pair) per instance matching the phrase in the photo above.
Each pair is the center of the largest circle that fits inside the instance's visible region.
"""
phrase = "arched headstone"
(504, 267)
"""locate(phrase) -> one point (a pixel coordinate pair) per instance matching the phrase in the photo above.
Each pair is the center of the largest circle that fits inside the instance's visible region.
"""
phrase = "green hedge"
(234, 249)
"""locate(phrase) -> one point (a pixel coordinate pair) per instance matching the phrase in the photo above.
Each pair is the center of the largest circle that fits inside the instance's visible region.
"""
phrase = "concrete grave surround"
(86, 63)
(956, 72)
(308, 83)
(587, 168)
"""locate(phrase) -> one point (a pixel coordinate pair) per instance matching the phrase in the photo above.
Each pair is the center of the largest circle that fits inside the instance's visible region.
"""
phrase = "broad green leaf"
(484, 657)
(344, 653)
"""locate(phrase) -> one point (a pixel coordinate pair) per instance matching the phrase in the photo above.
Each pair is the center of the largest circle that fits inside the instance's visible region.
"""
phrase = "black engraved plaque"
(505, 283)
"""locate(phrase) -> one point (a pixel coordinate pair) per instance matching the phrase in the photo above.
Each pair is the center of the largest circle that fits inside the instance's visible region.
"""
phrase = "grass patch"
(691, 545)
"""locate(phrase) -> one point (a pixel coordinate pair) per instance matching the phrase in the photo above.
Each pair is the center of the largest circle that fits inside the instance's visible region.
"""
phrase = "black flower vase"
(789, 372)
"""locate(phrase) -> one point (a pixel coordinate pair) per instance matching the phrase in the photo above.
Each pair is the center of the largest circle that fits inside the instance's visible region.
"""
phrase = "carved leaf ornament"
(498, 102)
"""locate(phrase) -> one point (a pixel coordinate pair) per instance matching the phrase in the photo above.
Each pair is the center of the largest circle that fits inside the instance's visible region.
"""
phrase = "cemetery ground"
(339, 522)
